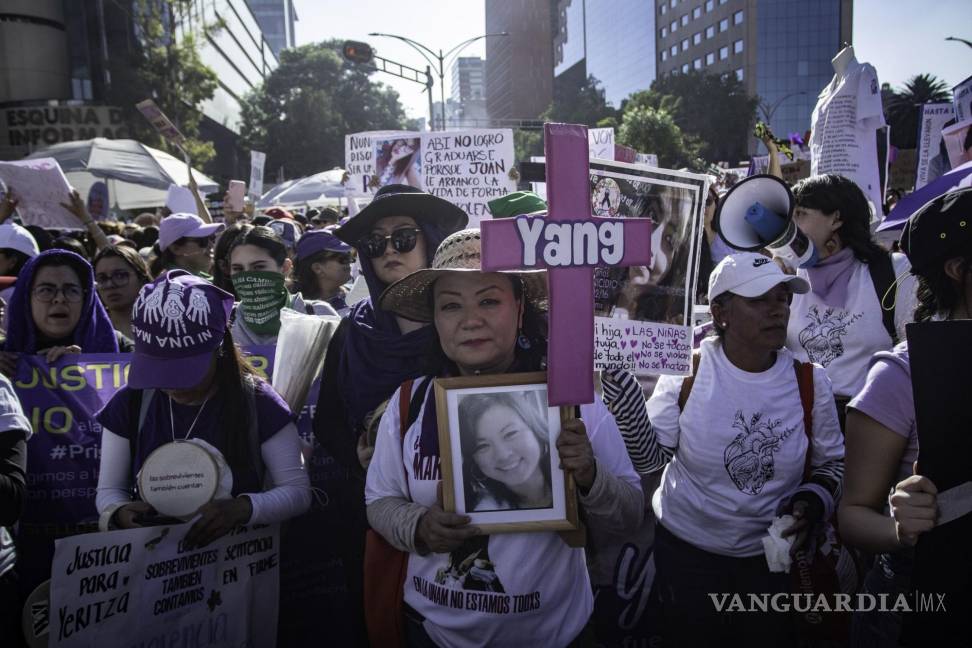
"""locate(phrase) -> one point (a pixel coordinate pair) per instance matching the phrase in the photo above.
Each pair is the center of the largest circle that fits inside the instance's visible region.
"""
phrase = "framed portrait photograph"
(497, 442)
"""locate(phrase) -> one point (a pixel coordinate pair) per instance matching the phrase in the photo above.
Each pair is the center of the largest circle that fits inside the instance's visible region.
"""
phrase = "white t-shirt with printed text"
(740, 449)
(842, 340)
(512, 589)
(843, 129)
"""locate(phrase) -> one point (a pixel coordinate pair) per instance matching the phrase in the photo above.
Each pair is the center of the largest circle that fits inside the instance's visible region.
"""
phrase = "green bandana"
(262, 295)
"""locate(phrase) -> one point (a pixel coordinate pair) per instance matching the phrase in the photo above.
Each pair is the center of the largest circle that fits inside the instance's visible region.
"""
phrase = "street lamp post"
(438, 62)
(768, 114)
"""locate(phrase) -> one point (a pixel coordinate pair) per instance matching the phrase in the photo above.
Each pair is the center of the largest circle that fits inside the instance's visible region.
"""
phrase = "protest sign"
(958, 142)
(469, 168)
(144, 587)
(643, 313)
(466, 167)
(600, 142)
(98, 200)
(962, 100)
(932, 157)
(648, 159)
(41, 188)
(257, 162)
(901, 171)
(162, 124)
(569, 242)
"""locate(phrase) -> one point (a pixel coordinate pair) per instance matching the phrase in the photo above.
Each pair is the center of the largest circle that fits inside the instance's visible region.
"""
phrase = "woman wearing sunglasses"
(120, 272)
(186, 242)
(54, 311)
(323, 268)
(374, 351)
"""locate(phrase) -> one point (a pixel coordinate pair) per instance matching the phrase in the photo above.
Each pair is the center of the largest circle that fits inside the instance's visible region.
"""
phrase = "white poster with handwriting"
(142, 587)
(932, 160)
(600, 143)
(41, 188)
(258, 161)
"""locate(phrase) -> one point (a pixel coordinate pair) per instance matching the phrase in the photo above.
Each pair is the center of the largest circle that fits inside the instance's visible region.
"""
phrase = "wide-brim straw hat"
(461, 252)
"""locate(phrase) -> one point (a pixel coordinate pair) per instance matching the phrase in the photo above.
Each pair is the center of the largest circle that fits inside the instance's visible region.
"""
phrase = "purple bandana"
(829, 278)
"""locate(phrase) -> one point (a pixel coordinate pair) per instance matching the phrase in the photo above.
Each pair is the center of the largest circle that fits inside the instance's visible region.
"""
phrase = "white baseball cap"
(15, 237)
(749, 274)
(177, 226)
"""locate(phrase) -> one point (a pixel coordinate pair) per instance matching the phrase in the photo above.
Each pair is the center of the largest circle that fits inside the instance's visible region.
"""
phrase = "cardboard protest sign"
(962, 100)
(41, 187)
(600, 142)
(932, 157)
(958, 142)
(162, 124)
(570, 243)
(145, 586)
(466, 167)
(643, 313)
(257, 162)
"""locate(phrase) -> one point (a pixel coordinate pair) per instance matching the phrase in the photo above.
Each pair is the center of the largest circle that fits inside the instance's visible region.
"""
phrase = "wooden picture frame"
(473, 482)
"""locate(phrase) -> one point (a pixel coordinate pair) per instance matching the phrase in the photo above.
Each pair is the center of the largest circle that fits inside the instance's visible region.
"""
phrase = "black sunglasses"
(403, 240)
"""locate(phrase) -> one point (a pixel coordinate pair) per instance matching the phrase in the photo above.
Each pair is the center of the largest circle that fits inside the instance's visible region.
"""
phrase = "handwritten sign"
(257, 162)
(469, 168)
(574, 241)
(962, 100)
(41, 187)
(146, 586)
(600, 143)
(466, 167)
(162, 124)
(931, 164)
(644, 348)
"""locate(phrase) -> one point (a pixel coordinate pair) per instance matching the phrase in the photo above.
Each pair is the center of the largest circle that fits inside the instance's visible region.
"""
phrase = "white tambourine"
(177, 478)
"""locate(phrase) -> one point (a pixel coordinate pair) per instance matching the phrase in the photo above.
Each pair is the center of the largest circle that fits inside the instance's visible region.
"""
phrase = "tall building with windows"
(781, 49)
(518, 68)
(611, 40)
(276, 19)
(468, 93)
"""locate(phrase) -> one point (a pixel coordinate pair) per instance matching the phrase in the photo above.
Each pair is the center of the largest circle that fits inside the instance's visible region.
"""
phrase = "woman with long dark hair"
(202, 392)
(120, 272)
(855, 308)
(323, 267)
(882, 436)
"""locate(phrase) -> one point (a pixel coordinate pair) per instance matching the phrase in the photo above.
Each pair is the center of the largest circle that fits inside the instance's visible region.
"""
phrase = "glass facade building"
(276, 18)
(615, 41)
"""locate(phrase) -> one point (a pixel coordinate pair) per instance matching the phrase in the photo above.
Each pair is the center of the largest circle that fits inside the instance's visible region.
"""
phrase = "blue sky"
(900, 38)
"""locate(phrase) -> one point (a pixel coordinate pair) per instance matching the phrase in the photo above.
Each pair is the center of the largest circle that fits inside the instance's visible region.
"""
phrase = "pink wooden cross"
(569, 226)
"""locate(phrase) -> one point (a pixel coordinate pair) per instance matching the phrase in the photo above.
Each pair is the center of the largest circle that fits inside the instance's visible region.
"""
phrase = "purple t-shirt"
(887, 398)
(272, 415)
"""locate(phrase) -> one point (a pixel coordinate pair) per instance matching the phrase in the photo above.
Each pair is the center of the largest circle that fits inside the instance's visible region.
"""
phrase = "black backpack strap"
(253, 430)
(882, 275)
(139, 401)
(415, 405)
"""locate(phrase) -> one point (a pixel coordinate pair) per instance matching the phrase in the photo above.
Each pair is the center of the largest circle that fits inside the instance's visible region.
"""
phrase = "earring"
(523, 341)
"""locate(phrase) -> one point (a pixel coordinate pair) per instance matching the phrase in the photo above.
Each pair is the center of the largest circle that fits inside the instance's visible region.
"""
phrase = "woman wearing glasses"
(54, 311)
(186, 242)
(374, 351)
(120, 272)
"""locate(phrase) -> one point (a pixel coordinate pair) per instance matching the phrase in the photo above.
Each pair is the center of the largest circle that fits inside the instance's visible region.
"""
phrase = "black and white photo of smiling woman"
(506, 452)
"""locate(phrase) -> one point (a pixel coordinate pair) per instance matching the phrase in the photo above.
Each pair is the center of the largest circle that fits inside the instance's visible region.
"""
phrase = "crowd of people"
(799, 404)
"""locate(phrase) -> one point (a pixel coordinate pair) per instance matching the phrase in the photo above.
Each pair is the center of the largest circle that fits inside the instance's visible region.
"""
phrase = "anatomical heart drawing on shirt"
(823, 337)
(749, 458)
(470, 568)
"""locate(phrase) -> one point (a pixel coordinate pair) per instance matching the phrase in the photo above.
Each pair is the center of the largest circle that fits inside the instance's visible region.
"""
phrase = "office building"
(468, 94)
(519, 67)
(276, 19)
(611, 40)
(781, 49)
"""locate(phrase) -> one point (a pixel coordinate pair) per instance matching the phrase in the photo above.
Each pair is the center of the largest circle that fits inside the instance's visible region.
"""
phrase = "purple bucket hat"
(178, 321)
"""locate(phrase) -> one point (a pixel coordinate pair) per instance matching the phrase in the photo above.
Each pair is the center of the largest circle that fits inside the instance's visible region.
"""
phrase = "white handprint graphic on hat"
(198, 310)
(173, 310)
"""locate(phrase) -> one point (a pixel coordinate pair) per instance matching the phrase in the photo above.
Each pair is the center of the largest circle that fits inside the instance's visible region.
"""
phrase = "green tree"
(713, 107)
(581, 104)
(158, 67)
(300, 115)
(652, 130)
(901, 107)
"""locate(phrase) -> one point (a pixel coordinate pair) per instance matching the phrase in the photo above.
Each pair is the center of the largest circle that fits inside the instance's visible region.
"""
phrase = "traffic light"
(358, 52)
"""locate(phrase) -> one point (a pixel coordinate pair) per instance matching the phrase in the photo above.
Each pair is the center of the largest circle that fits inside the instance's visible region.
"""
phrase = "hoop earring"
(523, 341)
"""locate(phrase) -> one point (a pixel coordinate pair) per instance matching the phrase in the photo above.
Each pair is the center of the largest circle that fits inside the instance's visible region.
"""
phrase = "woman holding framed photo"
(464, 588)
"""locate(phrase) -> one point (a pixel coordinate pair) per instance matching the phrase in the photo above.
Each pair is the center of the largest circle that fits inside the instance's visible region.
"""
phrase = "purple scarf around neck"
(830, 277)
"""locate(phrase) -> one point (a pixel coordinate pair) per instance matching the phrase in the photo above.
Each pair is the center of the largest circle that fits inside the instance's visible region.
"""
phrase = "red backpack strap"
(804, 375)
(404, 398)
(686, 390)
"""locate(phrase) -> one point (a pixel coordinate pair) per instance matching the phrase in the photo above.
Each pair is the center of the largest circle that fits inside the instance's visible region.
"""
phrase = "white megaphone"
(757, 213)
